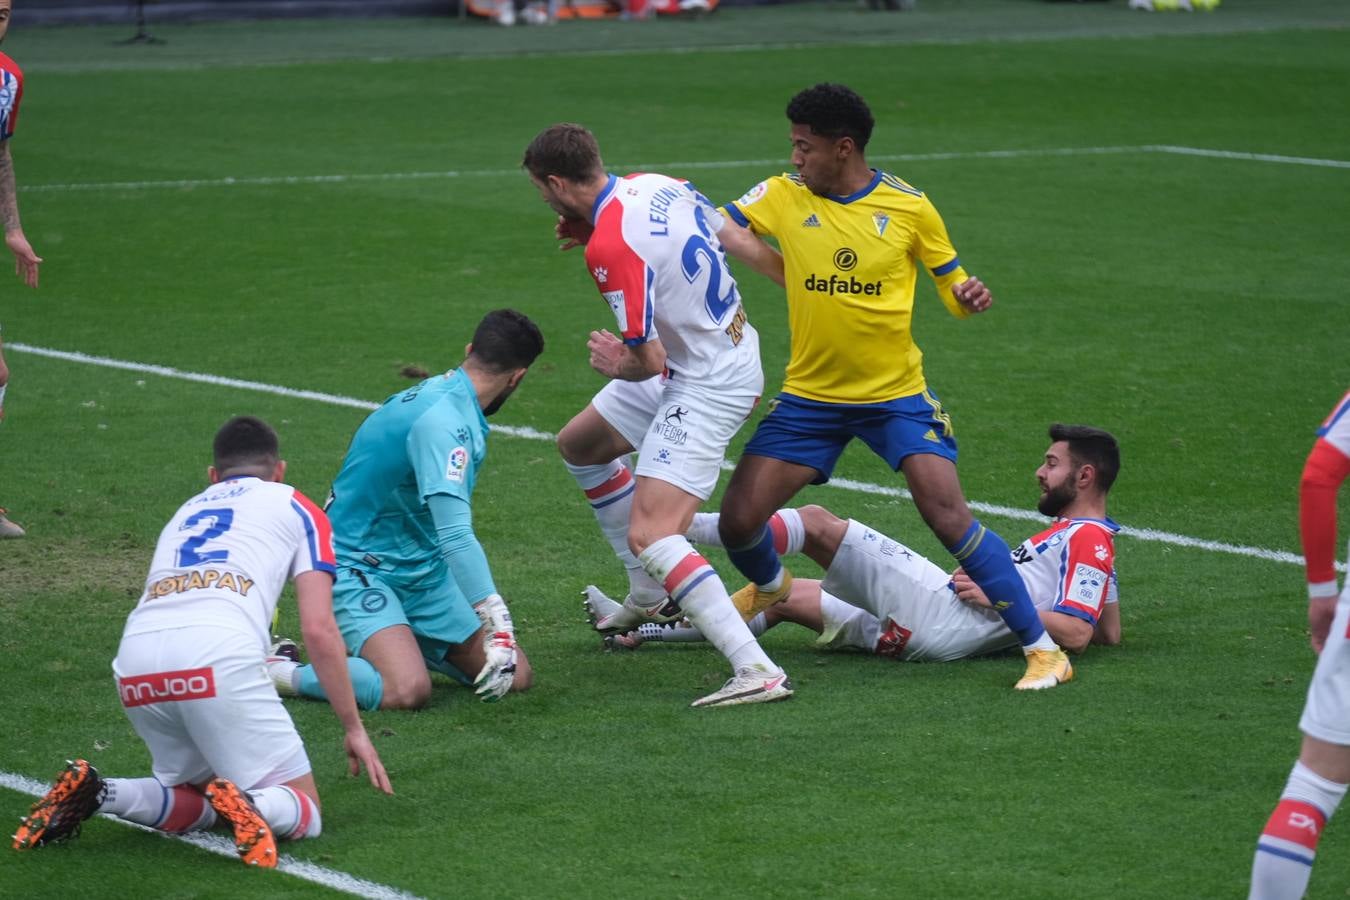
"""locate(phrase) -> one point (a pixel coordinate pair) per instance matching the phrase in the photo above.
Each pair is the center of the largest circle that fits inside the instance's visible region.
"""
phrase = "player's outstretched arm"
(328, 654)
(745, 246)
(25, 260)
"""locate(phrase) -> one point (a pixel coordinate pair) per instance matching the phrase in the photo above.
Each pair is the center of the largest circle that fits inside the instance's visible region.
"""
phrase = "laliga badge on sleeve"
(459, 462)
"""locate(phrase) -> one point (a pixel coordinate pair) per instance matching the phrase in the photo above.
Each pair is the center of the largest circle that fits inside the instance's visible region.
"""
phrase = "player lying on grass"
(881, 597)
(190, 667)
(414, 593)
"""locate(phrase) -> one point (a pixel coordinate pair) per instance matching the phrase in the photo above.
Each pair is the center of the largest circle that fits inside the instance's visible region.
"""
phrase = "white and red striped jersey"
(225, 556)
(1070, 567)
(1336, 429)
(656, 259)
(11, 92)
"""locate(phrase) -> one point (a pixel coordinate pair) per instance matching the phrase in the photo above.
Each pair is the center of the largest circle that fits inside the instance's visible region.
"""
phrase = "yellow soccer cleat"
(252, 836)
(750, 601)
(1045, 669)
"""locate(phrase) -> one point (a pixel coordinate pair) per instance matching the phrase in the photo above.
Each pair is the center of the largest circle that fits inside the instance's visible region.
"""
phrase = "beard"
(1055, 499)
(498, 401)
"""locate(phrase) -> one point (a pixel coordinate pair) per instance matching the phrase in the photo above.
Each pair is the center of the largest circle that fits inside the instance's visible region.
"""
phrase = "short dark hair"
(245, 442)
(833, 111)
(1091, 446)
(506, 340)
(566, 150)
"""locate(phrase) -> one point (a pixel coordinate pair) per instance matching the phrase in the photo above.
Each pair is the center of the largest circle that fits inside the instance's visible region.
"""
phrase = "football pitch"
(274, 218)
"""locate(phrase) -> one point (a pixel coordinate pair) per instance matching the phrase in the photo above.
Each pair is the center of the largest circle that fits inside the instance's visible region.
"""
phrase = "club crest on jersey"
(880, 220)
(755, 194)
(1101, 552)
(458, 464)
(601, 274)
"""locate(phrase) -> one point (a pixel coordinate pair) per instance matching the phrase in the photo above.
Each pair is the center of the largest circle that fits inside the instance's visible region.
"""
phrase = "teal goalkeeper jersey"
(429, 439)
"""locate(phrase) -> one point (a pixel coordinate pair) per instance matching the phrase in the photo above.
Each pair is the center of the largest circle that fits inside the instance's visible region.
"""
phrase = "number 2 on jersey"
(216, 522)
(697, 249)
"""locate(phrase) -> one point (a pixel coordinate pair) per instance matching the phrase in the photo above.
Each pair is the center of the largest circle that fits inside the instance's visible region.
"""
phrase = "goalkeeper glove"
(499, 647)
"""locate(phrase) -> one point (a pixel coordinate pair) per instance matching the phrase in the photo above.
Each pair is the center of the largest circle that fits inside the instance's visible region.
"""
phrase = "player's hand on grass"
(495, 678)
(572, 232)
(973, 295)
(25, 260)
(361, 754)
(968, 591)
(1321, 610)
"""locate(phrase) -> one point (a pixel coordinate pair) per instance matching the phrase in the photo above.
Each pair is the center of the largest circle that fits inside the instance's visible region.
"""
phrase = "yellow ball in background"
(1205, 5)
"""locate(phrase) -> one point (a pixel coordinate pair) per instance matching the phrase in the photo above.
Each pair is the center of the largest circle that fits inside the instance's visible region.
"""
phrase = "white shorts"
(681, 431)
(1326, 714)
(202, 701)
(920, 617)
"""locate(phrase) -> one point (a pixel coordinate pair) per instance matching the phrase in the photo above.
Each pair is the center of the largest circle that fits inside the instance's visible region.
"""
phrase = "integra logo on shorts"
(845, 259)
(671, 425)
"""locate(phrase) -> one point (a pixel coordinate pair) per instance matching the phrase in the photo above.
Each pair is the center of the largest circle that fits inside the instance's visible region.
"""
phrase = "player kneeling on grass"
(881, 597)
(190, 667)
(414, 593)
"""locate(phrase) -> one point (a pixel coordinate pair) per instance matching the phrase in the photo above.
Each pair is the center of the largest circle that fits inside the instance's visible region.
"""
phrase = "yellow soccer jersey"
(850, 265)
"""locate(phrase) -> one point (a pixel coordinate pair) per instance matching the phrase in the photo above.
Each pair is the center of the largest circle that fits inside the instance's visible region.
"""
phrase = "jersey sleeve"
(759, 208)
(315, 550)
(441, 463)
(622, 276)
(1086, 573)
(1323, 473)
(11, 92)
(933, 249)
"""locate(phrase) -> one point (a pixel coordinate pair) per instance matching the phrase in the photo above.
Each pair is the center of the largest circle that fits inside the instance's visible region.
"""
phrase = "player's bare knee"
(410, 694)
(734, 527)
(524, 677)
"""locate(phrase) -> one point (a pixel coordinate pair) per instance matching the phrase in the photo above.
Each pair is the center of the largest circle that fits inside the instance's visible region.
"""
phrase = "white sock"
(291, 813)
(789, 532)
(692, 583)
(1288, 844)
(147, 802)
(609, 489)
(2, 395)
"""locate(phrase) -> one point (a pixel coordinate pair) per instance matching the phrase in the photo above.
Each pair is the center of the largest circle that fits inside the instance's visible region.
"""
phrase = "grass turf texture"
(1192, 305)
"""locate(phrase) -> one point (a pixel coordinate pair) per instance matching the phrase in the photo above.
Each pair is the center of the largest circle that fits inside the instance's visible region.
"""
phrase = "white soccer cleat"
(750, 685)
(609, 617)
(281, 663)
(9, 529)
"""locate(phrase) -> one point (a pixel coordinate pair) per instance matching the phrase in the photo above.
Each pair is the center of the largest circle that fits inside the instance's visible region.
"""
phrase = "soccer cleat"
(252, 835)
(750, 601)
(750, 685)
(609, 617)
(74, 797)
(284, 648)
(9, 529)
(1045, 669)
(281, 662)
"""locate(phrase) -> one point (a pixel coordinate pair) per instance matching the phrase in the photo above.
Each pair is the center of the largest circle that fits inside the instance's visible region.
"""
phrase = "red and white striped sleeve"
(1086, 567)
(316, 547)
(1323, 473)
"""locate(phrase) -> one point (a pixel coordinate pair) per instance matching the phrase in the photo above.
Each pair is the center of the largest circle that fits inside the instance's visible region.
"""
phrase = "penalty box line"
(223, 846)
(354, 178)
(1143, 534)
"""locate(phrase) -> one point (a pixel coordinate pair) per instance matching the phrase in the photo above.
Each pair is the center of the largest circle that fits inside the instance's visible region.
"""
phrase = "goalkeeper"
(414, 593)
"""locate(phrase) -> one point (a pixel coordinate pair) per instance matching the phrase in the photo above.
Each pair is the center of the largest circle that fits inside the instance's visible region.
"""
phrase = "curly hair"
(833, 111)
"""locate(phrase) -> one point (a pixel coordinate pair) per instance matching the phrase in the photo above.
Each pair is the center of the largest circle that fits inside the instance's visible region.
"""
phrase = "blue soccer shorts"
(813, 433)
(434, 608)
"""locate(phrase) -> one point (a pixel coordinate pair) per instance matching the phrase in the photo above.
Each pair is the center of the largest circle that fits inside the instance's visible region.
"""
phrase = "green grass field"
(311, 205)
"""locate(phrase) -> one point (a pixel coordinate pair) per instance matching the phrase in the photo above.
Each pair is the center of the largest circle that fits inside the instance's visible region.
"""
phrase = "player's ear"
(279, 472)
(516, 377)
(212, 475)
(468, 349)
(1087, 476)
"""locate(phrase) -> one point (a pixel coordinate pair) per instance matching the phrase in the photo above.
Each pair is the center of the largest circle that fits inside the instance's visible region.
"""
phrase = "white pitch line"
(1143, 534)
(780, 163)
(222, 846)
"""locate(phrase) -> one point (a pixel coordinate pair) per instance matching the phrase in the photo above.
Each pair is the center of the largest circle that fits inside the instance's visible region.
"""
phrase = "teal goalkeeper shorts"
(434, 608)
